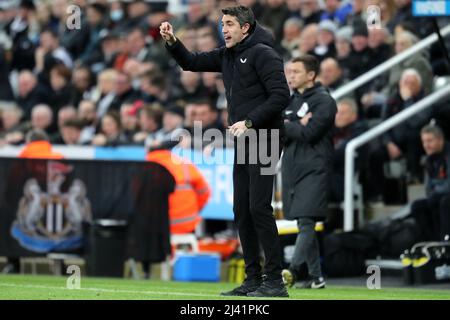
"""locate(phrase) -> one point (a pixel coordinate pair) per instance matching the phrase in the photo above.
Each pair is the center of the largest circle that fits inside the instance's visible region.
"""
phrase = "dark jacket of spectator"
(5, 91)
(23, 48)
(341, 138)
(437, 167)
(274, 18)
(411, 127)
(119, 140)
(258, 9)
(382, 53)
(422, 26)
(75, 40)
(38, 95)
(360, 62)
(61, 98)
(130, 96)
(313, 18)
(337, 84)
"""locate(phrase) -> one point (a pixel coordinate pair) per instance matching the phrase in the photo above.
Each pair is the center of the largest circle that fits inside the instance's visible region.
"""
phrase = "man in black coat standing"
(307, 164)
(257, 93)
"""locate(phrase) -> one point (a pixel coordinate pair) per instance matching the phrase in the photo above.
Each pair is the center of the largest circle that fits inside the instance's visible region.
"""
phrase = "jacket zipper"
(231, 91)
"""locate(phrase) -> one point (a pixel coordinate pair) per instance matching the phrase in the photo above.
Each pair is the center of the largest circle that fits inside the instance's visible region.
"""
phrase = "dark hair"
(28, 4)
(62, 71)
(36, 135)
(115, 116)
(189, 27)
(154, 111)
(434, 130)
(100, 8)
(310, 62)
(137, 29)
(159, 81)
(243, 15)
(51, 32)
(155, 78)
(203, 101)
(88, 70)
(73, 123)
(407, 26)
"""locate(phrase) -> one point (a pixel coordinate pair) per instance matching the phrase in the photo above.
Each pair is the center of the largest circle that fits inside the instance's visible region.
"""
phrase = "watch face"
(248, 123)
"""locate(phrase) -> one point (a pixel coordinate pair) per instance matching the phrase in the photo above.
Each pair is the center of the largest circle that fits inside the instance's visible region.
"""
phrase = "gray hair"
(412, 72)
(36, 135)
(434, 130)
(42, 108)
(294, 21)
(13, 108)
(351, 103)
(413, 39)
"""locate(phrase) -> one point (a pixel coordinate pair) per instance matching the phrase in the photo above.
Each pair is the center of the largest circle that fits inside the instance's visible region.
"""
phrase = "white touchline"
(106, 290)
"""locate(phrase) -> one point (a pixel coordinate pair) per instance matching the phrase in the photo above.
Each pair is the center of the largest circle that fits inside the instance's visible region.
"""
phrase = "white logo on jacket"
(303, 110)
(243, 60)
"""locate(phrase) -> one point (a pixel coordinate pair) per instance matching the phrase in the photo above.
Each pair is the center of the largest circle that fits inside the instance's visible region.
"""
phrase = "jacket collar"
(310, 91)
(258, 35)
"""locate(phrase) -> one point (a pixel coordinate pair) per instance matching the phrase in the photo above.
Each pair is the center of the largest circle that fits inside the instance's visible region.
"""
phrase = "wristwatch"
(248, 123)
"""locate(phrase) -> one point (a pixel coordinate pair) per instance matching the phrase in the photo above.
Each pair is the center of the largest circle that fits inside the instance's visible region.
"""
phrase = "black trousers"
(433, 215)
(253, 215)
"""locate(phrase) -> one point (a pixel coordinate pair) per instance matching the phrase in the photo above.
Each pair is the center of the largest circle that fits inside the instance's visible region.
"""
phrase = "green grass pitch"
(28, 287)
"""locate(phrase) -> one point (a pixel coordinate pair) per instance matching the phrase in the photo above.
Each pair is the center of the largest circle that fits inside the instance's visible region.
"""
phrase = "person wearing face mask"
(325, 41)
(116, 13)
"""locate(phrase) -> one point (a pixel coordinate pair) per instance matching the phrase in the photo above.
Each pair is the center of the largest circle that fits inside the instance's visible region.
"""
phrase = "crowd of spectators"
(109, 81)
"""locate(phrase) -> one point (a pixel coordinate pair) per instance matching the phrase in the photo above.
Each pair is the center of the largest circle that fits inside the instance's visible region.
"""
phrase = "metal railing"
(388, 124)
(373, 73)
(370, 135)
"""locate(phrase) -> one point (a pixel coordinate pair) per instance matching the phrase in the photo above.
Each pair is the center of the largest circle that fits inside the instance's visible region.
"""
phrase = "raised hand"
(166, 31)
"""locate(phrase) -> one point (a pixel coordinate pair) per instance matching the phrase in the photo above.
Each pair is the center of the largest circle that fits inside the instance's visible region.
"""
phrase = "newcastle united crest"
(51, 220)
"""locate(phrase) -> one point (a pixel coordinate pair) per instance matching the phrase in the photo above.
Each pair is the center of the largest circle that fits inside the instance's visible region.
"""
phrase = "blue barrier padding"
(433, 8)
(120, 153)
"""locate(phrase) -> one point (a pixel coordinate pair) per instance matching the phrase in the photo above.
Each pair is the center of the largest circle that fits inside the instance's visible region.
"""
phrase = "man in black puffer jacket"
(257, 93)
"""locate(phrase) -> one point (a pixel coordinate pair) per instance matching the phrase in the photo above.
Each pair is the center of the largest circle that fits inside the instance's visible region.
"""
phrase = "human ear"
(245, 28)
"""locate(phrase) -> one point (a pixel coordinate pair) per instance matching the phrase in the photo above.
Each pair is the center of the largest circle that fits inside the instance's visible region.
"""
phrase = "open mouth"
(227, 38)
